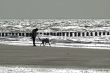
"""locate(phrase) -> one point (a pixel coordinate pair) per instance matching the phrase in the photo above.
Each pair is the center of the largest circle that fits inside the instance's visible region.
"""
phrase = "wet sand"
(54, 56)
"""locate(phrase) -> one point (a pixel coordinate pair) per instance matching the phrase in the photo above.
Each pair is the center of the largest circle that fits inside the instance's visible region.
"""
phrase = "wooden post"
(0, 34)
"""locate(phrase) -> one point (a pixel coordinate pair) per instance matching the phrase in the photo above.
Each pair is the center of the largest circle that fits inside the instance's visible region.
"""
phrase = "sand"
(54, 56)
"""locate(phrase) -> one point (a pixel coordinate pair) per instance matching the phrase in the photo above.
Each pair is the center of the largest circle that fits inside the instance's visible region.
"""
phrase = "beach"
(54, 56)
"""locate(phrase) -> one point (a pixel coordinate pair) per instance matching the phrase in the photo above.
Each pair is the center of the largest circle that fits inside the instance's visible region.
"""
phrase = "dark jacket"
(34, 33)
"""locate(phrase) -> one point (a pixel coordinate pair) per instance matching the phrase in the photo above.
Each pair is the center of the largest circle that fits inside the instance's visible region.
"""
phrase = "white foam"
(23, 69)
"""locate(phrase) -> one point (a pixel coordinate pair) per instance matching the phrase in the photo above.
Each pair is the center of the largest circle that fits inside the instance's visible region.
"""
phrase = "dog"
(44, 41)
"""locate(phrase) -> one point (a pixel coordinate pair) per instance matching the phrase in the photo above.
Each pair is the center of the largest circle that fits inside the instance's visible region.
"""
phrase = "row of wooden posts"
(66, 34)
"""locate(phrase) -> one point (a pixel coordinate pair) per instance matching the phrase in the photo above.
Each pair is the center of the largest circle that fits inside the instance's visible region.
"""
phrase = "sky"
(30, 9)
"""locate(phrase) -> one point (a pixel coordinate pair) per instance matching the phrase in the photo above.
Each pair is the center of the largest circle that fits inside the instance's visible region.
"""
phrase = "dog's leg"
(43, 44)
(50, 44)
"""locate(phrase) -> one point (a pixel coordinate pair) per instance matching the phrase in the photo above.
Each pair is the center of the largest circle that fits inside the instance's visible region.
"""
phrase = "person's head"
(36, 29)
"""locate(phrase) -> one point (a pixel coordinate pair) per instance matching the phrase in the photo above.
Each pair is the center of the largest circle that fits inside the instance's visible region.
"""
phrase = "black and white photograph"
(54, 36)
